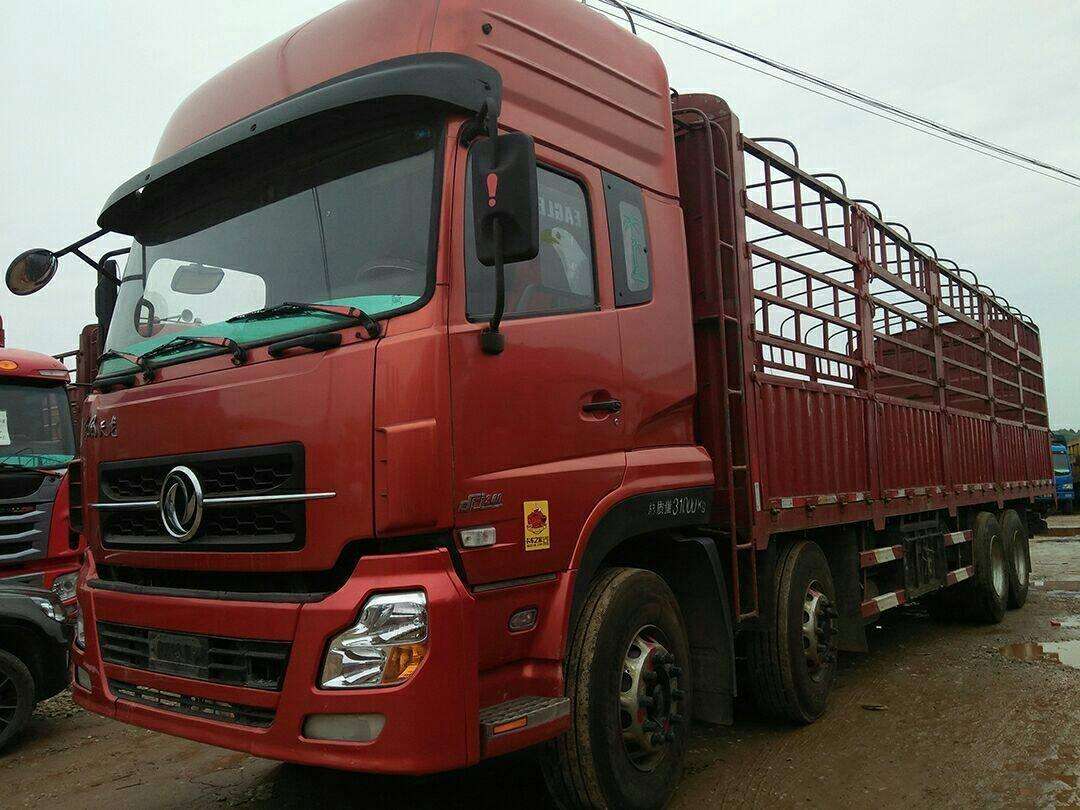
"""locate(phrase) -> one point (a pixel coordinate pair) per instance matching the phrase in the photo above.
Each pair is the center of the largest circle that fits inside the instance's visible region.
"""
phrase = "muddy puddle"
(1059, 587)
(1056, 652)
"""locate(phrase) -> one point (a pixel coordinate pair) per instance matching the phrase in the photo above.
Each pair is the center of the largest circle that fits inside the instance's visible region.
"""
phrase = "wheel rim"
(649, 698)
(818, 630)
(9, 701)
(1020, 559)
(997, 565)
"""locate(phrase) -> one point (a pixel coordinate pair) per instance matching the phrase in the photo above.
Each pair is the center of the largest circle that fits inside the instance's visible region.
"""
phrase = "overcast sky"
(90, 86)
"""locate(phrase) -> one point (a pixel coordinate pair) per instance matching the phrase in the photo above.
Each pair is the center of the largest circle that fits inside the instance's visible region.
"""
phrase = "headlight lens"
(64, 586)
(385, 646)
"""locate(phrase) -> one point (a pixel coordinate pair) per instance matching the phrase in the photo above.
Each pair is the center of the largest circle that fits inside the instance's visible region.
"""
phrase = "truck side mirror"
(506, 214)
(31, 271)
(504, 190)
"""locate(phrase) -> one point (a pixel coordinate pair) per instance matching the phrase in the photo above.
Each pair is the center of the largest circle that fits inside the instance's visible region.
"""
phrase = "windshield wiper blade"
(8, 465)
(116, 354)
(179, 342)
(355, 314)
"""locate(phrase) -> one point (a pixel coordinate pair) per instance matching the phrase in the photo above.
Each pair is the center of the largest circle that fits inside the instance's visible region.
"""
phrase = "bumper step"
(522, 713)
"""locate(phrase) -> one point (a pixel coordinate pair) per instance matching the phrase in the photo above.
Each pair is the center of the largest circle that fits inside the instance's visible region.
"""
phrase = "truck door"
(537, 432)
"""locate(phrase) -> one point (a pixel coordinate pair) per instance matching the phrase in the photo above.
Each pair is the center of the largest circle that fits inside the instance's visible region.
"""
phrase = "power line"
(862, 102)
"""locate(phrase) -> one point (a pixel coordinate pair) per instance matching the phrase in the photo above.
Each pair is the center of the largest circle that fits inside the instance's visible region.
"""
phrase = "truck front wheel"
(793, 660)
(628, 677)
(16, 697)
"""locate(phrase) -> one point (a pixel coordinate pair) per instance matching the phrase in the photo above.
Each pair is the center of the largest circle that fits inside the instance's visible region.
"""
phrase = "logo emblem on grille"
(181, 503)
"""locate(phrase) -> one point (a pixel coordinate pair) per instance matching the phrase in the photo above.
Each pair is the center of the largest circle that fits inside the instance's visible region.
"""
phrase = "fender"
(647, 530)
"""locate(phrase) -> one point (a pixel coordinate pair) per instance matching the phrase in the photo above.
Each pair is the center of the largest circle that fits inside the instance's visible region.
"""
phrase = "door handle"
(602, 406)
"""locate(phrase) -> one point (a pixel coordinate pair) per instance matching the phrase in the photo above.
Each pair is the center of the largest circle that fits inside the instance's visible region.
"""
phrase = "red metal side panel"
(1011, 454)
(814, 442)
(1037, 455)
(970, 450)
(910, 443)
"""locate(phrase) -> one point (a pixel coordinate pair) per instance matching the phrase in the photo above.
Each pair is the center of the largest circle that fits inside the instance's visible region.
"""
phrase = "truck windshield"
(345, 221)
(1061, 463)
(35, 425)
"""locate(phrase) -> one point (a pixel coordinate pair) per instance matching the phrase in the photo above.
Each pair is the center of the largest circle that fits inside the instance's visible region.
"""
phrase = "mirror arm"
(491, 340)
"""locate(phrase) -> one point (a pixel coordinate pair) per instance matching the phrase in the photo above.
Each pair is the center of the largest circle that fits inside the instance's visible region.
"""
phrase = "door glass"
(561, 278)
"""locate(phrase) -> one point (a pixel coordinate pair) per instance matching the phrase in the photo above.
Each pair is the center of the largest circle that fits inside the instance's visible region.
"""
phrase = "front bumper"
(431, 719)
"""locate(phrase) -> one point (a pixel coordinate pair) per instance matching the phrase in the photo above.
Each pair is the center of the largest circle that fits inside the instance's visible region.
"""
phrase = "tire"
(16, 697)
(606, 759)
(990, 593)
(1017, 557)
(791, 681)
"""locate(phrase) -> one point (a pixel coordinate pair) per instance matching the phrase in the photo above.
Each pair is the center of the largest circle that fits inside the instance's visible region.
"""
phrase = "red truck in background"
(466, 390)
(37, 442)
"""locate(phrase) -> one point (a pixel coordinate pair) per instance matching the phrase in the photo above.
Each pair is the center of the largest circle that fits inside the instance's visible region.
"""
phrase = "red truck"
(37, 442)
(467, 390)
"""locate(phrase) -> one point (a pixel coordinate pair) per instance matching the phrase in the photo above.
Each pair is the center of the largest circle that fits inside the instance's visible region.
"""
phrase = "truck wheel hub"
(649, 698)
(818, 630)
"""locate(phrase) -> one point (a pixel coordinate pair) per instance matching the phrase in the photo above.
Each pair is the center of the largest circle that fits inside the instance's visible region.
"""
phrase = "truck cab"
(1063, 476)
(37, 443)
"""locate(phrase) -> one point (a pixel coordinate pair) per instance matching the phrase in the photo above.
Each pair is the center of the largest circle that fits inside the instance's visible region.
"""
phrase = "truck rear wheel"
(1017, 557)
(16, 697)
(990, 593)
(792, 662)
(628, 678)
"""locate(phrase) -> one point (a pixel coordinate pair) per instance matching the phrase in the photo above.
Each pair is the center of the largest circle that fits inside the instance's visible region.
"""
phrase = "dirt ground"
(935, 715)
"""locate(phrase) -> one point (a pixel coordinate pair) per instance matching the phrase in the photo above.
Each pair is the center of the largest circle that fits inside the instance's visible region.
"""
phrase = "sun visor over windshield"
(444, 78)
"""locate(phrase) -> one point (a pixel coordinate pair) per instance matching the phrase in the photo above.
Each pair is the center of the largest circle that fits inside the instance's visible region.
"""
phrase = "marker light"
(55, 373)
(478, 537)
(8, 365)
(385, 646)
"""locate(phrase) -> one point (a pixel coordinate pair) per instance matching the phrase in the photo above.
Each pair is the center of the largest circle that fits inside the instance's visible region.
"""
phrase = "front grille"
(255, 472)
(230, 661)
(192, 706)
(271, 522)
(252, 471)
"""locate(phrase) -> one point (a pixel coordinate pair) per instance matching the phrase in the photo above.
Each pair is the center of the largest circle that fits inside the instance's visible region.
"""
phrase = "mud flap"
(697, 579)
(842, 552)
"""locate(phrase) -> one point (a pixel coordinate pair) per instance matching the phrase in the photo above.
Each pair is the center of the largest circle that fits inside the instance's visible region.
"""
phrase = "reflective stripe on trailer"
(877, 556)
(955, 538)
(872, 607)
(959, 575)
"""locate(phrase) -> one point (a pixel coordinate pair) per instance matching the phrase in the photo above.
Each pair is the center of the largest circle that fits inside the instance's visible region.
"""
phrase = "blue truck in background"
(1063, 476)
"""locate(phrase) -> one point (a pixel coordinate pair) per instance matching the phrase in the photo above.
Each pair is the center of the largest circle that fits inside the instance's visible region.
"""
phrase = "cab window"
(632, 273)
(561, 278)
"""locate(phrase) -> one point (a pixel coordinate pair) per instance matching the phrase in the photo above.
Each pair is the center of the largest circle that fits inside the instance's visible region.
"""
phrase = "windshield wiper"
(180, 342)
(116, 354)
(355, 314)
(12, 467)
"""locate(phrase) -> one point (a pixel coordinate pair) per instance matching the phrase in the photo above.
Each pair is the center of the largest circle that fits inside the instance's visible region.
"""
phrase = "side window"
(561, 278)
(629, 241)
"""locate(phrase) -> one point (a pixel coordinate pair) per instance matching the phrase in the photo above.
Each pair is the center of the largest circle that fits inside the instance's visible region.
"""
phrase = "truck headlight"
(64, 586)
(80, 631)
(385, 646)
